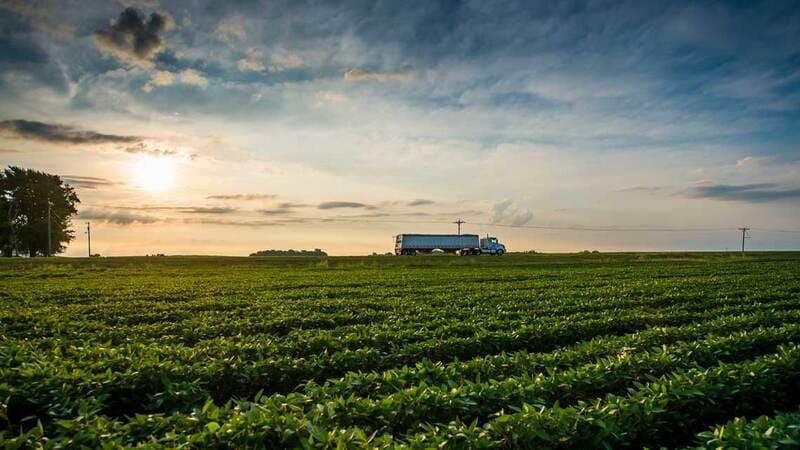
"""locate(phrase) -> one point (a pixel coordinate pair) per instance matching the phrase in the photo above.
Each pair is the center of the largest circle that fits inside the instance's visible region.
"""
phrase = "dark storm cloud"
(749, 193)
(88, 182)
(117, 218)
(64, 134)
(242, 197)
(23, 55)
(420, 202)
(133, 37)
(338, 205)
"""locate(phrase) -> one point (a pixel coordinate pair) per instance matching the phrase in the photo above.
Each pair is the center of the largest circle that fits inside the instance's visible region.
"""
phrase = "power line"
(610, 228)
(772, 230)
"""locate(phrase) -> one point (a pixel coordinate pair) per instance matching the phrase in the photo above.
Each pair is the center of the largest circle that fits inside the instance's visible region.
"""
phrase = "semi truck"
(462, 244)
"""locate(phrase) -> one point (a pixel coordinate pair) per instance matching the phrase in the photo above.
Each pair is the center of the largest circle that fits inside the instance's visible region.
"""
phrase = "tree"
(25, 195)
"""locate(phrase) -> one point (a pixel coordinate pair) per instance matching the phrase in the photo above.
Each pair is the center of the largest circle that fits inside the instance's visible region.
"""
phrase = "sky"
(209, 127)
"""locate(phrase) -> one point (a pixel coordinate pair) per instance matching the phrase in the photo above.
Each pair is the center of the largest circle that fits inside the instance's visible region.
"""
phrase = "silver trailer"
(463, 244)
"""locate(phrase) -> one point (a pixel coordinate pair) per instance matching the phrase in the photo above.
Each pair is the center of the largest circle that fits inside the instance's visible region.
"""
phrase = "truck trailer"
(462, 244)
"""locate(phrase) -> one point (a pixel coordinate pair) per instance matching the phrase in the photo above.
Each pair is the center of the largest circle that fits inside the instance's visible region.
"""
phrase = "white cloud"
(754, 161)
(165, 78)
(245, 65)
(506, 213)
(281, 60)
(159, 78)
(231, 30)
(193, 77)
(400, 75)
(332, 96)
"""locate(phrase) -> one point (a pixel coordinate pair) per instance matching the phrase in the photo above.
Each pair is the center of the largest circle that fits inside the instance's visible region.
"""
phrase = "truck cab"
(492, 246)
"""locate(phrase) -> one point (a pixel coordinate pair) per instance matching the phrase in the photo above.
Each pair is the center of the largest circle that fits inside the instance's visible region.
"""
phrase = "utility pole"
(459, 222)
(744, 231)
(89, 237)
(49, 232)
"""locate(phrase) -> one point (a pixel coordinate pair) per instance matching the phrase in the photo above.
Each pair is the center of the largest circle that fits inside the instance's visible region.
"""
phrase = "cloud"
(250, 65)
(338, 205)
(193, 77)
(400, 75)
(506, 213)
(88, 182)
(420, 202)
(159, 78)
(26, 62)
(754, 161)
(204, 210)
(64, 134)
(230, 30)
(165, 78)
(288, 205)
(244, 223)
(133, 38)
(644, 189)
(242, 197)
(331, 96)
(117, 218)
(279, 60)
(275, 212)
(749, 193)
(5, 151)
(141, 148)
(45, 19)
(184, 209)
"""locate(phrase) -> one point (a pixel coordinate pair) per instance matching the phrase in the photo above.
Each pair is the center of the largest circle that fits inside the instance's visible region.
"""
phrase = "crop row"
(118, 323)
(780, 431)
(503, 365)
(375, 352)
(665, 411)
(398, 412)
(385, 348)
(47, 388)
(205, 316)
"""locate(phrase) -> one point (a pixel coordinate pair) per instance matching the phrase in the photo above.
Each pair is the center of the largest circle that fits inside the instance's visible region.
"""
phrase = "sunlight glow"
(154, 173)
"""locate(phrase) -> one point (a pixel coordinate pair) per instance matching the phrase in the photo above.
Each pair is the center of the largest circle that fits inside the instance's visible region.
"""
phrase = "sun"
(153, 173)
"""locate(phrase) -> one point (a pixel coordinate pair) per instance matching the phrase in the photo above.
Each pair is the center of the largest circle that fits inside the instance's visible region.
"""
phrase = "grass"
(617, 350)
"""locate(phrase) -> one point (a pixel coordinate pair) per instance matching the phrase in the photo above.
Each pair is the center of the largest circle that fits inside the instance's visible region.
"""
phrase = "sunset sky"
(229, 127)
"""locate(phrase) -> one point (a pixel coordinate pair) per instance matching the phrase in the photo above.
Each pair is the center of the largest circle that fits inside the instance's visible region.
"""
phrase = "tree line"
(290, 252)
(35, 212)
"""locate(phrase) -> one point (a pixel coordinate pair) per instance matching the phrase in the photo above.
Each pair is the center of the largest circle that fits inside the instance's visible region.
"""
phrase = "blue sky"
(228, 127)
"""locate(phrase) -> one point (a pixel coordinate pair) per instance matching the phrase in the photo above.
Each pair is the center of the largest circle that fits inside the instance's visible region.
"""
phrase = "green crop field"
(678, 350)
